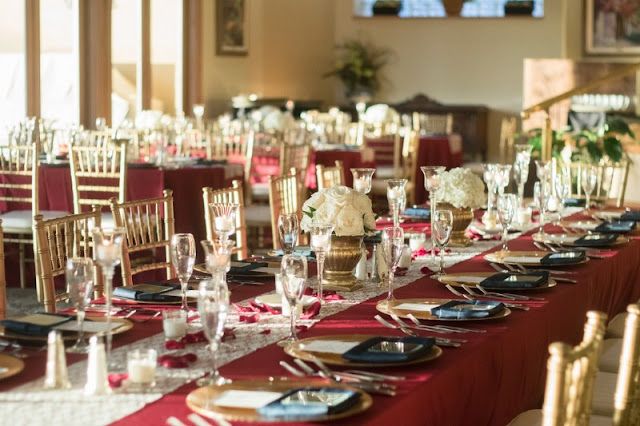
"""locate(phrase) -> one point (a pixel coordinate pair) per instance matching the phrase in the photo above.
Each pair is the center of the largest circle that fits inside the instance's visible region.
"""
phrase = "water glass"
(174, 324)
(563, 187)
(392, 247)
(294, 282)
(183, 258)
(213, 306)
(288, 230)
(397, 197)
(442, 227)
(507, 205)
(502, 175)
(79, 274)
(431, 184)
(141, 368)
(224, 218)
(320, 241)
(362, 179)
(589, 179)
(521, 168)
(541, 195)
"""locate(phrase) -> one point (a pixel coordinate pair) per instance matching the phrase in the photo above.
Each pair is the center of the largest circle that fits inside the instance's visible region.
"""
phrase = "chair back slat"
(3, 280)
(627, 393)
(326, 177)
(284, 198)
(233, 195)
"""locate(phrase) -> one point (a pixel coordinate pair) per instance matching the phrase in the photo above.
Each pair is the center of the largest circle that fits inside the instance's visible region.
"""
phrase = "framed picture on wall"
(612, 27)
(231, 28)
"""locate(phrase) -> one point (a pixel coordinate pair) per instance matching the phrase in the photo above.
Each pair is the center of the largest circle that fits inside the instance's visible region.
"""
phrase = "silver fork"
(521, 268)
(517, 296)
(476, 296)
(473, 294)
(441, 340)
(407, 331)
(453, 329)
(494, 294)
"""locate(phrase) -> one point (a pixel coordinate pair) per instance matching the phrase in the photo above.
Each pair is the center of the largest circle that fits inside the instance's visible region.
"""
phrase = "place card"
(329, 346)
(178, 293)
(246, 398)
(521, 259)
(88, 326)
(420, 307)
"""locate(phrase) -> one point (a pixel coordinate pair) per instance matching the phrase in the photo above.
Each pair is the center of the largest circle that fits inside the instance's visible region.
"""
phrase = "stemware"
(541, 194)
(562, 183)
(506, 210)
(397, 197)
(213, 306)
(288, 229)
(198, 112)
(392, 246)
(489, 175)
(224, 219)
(294, 282)
(320, 242)
(217, 257)
(183, 258)
(589, 179)
(543, 170)
(362, 179)
(431, 184)
(108, 251)
(79, 276)
(442, 225)
(521, 169)
(502, 174)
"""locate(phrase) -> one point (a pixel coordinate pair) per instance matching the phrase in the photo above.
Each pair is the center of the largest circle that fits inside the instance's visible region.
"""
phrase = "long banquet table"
(487, 381)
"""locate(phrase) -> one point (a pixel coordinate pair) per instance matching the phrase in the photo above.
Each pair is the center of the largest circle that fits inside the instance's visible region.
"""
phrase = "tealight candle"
(223, 223)
(417, 242)
(141, 367)
(319, 241)
(433, 182)
(405, 258)
(395, 193)
(174, 324)
(107, 253)
(523, 216)
(360, 184)
(218, 261)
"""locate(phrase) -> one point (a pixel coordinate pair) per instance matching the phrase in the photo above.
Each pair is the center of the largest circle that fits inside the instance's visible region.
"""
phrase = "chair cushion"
(603, 390)
(610, 356)
(23, 219)
(257, 213)
(534, 418)
(615, 328)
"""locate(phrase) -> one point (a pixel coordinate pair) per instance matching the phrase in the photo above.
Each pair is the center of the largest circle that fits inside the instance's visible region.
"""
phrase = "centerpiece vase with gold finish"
(342, 257)
(462, 218)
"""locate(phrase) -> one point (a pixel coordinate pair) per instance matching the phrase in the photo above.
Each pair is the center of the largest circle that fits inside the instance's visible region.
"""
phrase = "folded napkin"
(564, 258)
(631, 215)
(590, 240)
(616, 227)
(515, 280)
(389, 349)
(35, 325)
(461, 309)
(146, 293)
(373, 239)
(575, 202)
(238, 267)
(419, 212)
(309, 402)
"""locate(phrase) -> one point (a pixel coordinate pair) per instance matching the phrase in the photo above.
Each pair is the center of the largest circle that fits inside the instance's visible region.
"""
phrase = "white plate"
(274, 300)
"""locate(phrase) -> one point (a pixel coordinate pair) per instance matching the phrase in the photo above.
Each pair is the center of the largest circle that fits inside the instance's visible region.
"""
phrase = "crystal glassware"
(397, 196)
(442, 225)
(217, 257)
(213, 306)
(79, 274)
(589, 178)
(507, 205)
(320, 242)
(362, 179)
(543, 170)
(294, 282)
(108, 252)
(198, 112)
(224, 219)
(431, 184)
(503, 172)
(392, 246)
(183, 258)
(141, 368)
(489, 175)
(521, 169)
(288, 230)
(541, 194)
(562, 183)
(174, 324)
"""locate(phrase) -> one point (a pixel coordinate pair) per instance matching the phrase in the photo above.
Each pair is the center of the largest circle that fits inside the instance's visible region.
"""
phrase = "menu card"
(420, 307)
(246, 398)
(329, 346)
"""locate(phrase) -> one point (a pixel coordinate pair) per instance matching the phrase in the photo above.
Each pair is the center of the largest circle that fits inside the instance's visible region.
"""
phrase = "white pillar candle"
(394, 193)
(223, 223)
(417, 242)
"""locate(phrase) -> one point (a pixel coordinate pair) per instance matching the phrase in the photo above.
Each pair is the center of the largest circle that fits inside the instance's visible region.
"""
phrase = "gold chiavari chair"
(296, 157)
(405, 166)
(3, 280)
(571, 372)
(97, 173)
(611, 181)
(149, 226)
(284, 198)
(232, 195)
(326, 177)
(198, 144)
(58, 240)
(432, 124)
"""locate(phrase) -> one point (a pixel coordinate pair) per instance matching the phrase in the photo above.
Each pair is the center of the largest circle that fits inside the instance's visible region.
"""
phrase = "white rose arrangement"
(461, 188)
(347, 209)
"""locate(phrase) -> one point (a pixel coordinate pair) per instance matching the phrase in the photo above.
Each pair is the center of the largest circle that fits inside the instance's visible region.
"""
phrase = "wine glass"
(392, 246)
(521, 169)
(224, 219)
(108, 252)
(294, 282)
(217, 257)
(183, 257)
(563, 187)
(320, 242)
(362, 179)
(288, 229)
(442, 225)
(541, 194)
(507, 204)
(503, 172)
(489, 175)
(79, 274)
(589, 178)
(213, 306)
(397, 196)
(431, 184)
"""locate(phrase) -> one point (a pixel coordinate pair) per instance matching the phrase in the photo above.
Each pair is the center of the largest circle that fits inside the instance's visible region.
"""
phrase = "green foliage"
(359, 64)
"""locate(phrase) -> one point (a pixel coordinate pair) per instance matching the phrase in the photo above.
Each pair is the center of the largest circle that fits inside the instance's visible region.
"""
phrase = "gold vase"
(462, 218)
(453, 7)
(340, 260)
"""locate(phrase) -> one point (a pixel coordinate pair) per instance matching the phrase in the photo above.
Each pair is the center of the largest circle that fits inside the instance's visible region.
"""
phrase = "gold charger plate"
(499, 256)
(549, 238)
(12, 364)
(201, 399)
(125, 325)
(452, 280)
(383, 306)
(202, 268)
(296, 350)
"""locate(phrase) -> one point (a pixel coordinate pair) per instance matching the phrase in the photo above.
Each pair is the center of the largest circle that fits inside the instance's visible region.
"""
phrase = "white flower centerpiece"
(460, 191)
(352, 215)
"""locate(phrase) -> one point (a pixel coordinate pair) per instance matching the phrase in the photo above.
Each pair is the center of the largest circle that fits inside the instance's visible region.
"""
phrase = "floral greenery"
(359, 64)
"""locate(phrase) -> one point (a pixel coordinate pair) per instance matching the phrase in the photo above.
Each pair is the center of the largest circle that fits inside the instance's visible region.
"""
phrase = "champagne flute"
(442, 225)
(506, 210)
(294, 282)
(392, 247)
(397, 196)
(183, 257)
(213, 306)
(79, 274)
(589, 181)
(541, 194)
(521, 169)
(217, 257)
(563, 188)
(288, 230)
(320, 241)
(431, 184)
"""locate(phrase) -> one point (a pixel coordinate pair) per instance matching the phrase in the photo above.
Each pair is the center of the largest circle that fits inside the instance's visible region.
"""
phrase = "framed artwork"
(231, 28)
(612, 27)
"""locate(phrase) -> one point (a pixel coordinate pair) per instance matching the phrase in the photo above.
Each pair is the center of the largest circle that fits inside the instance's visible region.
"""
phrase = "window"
(434, 8)
(13, 90)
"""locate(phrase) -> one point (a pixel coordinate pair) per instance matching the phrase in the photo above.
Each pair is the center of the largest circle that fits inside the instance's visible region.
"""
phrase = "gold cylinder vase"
(340, 260)
(462, 218)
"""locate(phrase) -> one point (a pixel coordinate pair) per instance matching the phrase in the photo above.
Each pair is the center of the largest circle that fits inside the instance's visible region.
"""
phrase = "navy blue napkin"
(616, 227)
(515, 280)
(461, 309)
(418, 212)
(309, 402)
(142, 293)
(31, 329)
(381, 349)
(575, 202)
(564, 258)
(631, 215)
(593, 240)
(238, 267)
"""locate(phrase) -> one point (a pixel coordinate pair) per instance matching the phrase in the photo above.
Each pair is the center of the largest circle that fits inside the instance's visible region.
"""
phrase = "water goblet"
(183, 258)
(217, 257)
(397, 196)
(563, 188)
(589, 179)
(320, 242)
(507, 204)
(392, 247)
(431, 184)
(503, 172)
(79, 275)
(489, 175)
(224, 218)
(288, 230)
(362, 179)
(541, 195)
(108, 252)
(294, 282)
(521, 169)
(442, 226)
(213, 306)
(543, 170)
